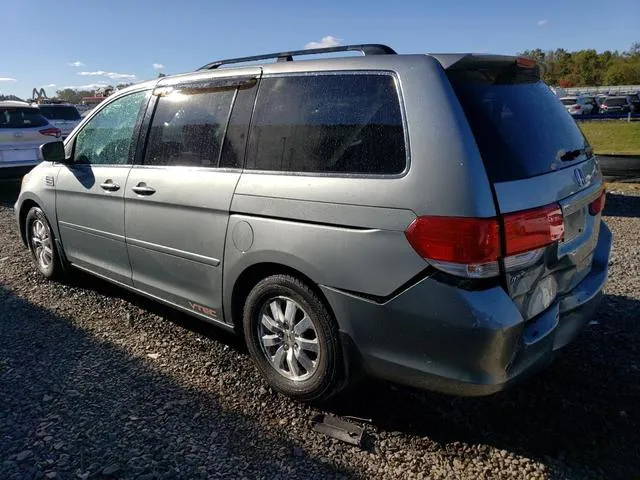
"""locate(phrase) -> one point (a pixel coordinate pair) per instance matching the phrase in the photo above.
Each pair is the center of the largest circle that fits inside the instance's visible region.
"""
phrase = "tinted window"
(235, 141)
(188, 128)
(21, 117)
(568, 101)
(65, 112)
(615, 102)
(520, 127)
(328, 124)
(107, 138)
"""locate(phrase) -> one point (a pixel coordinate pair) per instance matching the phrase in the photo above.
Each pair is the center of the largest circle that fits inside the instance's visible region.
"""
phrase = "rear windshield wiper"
(573, 154)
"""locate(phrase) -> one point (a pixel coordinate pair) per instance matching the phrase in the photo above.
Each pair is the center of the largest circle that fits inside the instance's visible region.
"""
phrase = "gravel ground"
(96, 382)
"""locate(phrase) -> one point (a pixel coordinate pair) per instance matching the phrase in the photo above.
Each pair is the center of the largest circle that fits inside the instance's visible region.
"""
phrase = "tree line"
(588, 68)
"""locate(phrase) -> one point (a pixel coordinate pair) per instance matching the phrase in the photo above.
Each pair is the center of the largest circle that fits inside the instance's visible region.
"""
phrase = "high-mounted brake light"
(51, 132)
(525, 62)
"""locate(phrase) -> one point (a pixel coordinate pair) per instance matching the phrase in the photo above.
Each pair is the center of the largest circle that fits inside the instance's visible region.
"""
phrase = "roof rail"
(365, 48)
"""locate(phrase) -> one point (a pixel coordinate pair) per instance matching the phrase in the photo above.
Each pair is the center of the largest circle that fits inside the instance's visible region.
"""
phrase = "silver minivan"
(433, 220)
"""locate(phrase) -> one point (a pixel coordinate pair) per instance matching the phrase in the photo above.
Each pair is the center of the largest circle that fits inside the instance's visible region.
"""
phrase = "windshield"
(60, 112)
(520, 127)
(21, 117)
(615, 102)
(568, 101)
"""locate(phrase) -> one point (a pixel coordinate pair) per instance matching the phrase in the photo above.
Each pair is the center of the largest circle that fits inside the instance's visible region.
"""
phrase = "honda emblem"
(580, 178)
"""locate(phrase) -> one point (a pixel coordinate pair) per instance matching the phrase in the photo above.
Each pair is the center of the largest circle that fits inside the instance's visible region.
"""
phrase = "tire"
(42, 244)
(286, 358)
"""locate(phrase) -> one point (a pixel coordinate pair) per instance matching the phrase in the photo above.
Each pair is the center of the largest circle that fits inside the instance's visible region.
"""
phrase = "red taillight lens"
(597, 205)
(455, 239)
(51, 132)
(533, 229)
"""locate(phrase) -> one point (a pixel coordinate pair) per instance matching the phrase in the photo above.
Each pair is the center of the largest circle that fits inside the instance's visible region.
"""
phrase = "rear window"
(615, 102)
(568, 101)
(21, 117)
(60, 113)
(330, 123)
(520, 127)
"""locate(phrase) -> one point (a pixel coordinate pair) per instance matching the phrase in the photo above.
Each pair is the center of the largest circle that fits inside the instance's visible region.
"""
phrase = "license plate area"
(19, 155)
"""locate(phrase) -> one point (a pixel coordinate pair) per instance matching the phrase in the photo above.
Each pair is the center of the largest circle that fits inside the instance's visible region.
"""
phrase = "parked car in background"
(634, 99)
(314, 208)
(22, 130)
(619, 104)
(587, 100)
(599, 101)
(63, 116)
(577, 105)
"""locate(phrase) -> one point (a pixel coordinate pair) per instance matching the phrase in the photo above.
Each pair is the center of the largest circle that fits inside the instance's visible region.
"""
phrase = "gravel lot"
(96, 382)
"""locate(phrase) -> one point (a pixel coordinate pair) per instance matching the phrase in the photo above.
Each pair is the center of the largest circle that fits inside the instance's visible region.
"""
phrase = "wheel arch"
(256, 272)
(26, 205)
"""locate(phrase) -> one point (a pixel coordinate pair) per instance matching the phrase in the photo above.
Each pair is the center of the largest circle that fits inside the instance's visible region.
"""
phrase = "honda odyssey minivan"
(429, 219)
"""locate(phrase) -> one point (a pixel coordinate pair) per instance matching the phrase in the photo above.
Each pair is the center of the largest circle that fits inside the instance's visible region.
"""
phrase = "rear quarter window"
(328, 123)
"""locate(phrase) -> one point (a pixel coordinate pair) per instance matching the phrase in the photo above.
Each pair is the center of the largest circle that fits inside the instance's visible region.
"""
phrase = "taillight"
(597, 205)
(51, 132)
(468, 247)
(532, 229)
(471, 247)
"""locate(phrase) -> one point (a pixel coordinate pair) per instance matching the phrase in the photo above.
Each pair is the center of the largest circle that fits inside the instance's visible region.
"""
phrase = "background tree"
(586, 68)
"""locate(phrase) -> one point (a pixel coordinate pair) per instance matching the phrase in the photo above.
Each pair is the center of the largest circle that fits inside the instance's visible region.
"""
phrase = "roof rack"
(365, 48)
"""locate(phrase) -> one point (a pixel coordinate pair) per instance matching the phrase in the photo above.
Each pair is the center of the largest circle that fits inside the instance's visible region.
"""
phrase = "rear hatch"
(22, 131)
(65, 117)
(547, 184)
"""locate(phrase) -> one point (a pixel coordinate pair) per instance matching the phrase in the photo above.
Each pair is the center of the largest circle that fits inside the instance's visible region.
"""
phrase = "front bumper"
(443, 338)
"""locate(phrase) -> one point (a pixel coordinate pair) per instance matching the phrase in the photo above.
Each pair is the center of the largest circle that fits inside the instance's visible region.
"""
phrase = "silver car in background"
(22, 130)
(63, 116)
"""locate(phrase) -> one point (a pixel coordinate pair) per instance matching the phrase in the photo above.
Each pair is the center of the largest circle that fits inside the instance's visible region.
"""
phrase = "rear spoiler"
(462, 61)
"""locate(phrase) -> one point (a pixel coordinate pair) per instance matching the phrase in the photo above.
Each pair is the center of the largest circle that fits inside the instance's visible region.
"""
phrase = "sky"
(75, 43)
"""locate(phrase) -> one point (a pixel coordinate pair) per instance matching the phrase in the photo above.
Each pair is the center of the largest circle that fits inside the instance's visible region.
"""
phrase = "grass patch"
(613, 136)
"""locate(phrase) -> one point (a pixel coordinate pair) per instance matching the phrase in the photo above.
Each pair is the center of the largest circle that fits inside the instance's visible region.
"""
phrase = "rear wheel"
(42, 244)
(293, 338)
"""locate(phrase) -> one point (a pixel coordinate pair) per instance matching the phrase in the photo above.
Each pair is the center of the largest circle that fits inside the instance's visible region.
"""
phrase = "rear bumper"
(16, 172)
(439, 337)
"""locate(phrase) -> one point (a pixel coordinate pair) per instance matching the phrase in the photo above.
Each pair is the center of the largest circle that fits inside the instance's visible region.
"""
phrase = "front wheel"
(41, 244)
(293, 338)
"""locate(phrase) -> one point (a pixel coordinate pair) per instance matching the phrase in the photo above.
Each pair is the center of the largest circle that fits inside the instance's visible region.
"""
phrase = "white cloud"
(328, 41)
(158, 66)
(111, 75)
(7, 79)
(51, 85)
(543, 23)
(90, 86)
(77, 63)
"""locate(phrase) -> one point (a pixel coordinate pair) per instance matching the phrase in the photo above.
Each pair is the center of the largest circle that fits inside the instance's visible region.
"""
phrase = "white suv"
(22, 130)
(577, 105)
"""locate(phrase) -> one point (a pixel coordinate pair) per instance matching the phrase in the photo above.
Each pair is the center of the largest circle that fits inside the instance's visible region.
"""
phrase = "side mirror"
(53, 152)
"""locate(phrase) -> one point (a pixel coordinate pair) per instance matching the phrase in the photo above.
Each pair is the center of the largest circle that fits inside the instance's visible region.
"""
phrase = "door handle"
(109, 186)
(143, 189)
